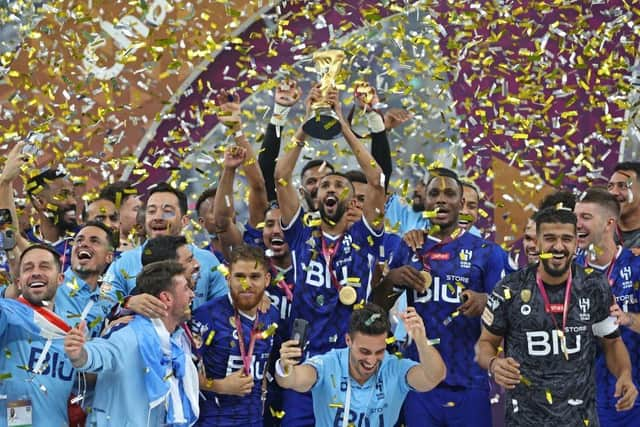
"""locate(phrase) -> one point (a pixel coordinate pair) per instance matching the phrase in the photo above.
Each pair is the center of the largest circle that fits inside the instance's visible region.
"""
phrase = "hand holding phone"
(300, 332)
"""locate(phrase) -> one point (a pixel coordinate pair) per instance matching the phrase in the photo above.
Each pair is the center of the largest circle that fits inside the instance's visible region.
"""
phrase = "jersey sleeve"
(319, 363)
(495, 268)
(494, 316)
(294, 231)
(252, 236)
(109, 355)
(115, 276)
(604, 324)
(401, 257)
(399, 371)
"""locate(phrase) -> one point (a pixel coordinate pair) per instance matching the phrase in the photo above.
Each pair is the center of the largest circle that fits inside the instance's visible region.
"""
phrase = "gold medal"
(348, 295)
(525, 295)
(426, 276)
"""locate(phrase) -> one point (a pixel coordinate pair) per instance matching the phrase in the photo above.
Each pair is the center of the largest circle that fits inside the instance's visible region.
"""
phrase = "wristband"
(375, 121)
(279, 371)
(280, 113)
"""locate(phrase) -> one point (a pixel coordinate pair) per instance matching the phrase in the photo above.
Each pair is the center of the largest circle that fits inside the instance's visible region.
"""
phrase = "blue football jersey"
(315, 298)
(74, 295)
(62, 246)
(376, 403)
(624, 279)
(213, 327)
(48, 391)
(467, 262)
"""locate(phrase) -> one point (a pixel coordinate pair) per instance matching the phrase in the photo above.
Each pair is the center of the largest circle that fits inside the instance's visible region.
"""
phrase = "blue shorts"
(448, 407)
(298, 409)
(609, 417)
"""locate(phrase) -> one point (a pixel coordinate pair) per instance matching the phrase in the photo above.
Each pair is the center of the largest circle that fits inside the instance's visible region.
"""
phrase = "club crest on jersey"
(465, 258)
(347, 240)
(625, 273)
(584, 305)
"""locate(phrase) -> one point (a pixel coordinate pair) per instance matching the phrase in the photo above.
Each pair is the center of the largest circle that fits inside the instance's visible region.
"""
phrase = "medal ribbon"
(551, 309)
(329, 252)
(247, 356)
(611, 264)
(282, 284)
(427, 254)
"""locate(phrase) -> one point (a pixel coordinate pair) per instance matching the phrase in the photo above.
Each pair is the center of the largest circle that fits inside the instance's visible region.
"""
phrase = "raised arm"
(223, 209)
(230, 115)
(289, 374)
(287, 94)
(374, 208)
(287, 195)
(431, 370)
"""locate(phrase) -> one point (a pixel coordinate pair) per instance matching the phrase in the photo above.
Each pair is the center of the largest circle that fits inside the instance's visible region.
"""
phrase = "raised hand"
(234, 156)
(229, 108)
(13, 164)
(394, 117)
(414, 324)
(74, 345)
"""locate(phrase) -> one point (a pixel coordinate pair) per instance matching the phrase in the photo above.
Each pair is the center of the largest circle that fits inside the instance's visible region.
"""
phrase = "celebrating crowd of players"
(287, 320)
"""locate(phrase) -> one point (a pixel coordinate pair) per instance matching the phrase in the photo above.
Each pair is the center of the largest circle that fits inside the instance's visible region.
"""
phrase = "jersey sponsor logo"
(55, 365)
(445, 292)
(493, 301)
(465, 258)
(360, 419)
(234, 363)
(543, 343)
(584, 304)
(319, 276)
(281, 303)
(625, 273)
(440, 256)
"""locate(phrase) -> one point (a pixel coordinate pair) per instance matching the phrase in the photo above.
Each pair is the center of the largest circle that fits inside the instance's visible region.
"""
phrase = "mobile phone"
(5, 218)
(300, 331)
(7, 240)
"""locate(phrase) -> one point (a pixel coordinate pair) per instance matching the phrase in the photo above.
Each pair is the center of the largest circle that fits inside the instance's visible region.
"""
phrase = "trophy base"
(323, 125)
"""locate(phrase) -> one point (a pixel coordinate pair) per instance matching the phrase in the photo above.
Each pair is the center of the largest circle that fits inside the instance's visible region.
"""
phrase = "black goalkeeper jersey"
(553, 391)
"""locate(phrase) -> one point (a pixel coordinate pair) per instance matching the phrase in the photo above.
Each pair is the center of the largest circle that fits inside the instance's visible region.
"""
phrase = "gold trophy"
(324, 123)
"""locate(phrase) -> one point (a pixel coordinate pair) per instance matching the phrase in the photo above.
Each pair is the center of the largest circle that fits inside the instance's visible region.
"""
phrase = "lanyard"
(611, 264)
(329, 252)
(282, 284)
(551, 309)
(247, 356)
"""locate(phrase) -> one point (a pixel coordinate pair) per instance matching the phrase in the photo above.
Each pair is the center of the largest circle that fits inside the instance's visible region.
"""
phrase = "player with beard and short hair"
(235, 341)
(38, 377)
(624, 184)
(447, 277)
(551, 317)
(145, 375)
(332, 262)
(91, 254)
(597, 211)
(166, 215)
(310, 175)
(52, 195)
(104, 211)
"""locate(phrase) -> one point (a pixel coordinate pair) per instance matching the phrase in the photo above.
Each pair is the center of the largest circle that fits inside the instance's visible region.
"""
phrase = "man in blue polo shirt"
(362, 384)
(166, 214)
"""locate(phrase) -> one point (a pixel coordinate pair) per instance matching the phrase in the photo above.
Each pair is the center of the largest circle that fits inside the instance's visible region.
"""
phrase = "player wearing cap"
(551, 316)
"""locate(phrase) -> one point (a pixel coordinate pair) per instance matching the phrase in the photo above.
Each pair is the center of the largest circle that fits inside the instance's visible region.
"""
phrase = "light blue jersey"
(73, 297)
(377, 403)
(121, 397)
(211, 283)
(48, 391)
(402, 218)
